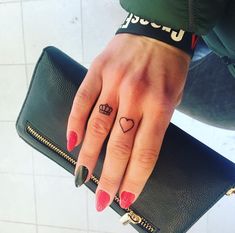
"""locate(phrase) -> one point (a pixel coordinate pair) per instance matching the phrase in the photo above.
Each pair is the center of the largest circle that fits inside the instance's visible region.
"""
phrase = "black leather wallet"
(188, 179)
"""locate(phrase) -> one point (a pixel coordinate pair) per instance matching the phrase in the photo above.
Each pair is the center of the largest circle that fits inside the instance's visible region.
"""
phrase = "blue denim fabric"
(209, 93)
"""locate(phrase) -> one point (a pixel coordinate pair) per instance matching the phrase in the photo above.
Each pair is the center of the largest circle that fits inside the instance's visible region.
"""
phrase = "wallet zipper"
(231, 191)
(129, 217)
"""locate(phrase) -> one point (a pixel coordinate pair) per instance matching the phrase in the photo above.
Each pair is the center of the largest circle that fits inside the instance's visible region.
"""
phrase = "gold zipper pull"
(230, 191)
(130, 217)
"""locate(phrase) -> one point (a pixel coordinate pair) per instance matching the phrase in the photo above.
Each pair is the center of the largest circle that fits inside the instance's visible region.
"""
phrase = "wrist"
(180, 39)
(169, 49)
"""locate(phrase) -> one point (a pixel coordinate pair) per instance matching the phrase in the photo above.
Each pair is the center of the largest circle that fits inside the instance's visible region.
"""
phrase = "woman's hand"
(135, 84)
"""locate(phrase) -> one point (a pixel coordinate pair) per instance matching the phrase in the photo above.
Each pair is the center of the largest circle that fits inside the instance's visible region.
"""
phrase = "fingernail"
(81, 175)
(72, 140)
(102, 200)
(127, 199)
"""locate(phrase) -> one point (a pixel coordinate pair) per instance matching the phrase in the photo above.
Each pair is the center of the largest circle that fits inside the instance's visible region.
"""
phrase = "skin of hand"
(132, 89)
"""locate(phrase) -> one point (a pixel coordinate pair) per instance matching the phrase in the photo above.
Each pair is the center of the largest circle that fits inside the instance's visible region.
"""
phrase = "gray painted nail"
(81, 175)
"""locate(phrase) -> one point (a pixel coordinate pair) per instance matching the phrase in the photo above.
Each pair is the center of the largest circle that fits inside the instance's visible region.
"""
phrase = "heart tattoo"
(126, 124)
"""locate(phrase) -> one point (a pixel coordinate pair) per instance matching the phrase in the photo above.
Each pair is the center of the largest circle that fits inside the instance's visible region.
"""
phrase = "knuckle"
(98, 62)
(111, 71)
(161, 99)
(133, 89)
(163, 109)
(139, 81)
(107, 181)
(133, 83)
(134, 184)
(73, 119)
(147, 157)
(86, 156)
(119, 150)
(82, 97)
(98, 127)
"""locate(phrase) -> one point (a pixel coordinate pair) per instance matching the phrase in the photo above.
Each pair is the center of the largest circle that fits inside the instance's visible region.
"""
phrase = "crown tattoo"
(105, 109)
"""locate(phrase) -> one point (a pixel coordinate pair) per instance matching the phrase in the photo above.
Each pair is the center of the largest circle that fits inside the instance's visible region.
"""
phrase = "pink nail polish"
(127, 199)
(102, 200)
(72, 140)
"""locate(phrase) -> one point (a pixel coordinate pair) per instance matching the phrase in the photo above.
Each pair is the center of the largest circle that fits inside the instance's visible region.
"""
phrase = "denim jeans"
(209, 93)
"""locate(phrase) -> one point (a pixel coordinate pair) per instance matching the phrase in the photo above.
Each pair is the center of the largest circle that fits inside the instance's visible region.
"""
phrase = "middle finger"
(98, 127)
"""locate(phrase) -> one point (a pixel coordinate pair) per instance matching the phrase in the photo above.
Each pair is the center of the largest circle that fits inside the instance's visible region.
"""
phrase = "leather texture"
(188, 179)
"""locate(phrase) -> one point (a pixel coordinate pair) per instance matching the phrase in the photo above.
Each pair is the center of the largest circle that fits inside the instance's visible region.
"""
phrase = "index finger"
(84, 100)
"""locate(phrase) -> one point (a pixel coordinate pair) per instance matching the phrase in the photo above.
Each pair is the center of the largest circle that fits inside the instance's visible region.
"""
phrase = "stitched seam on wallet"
(213, 203)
